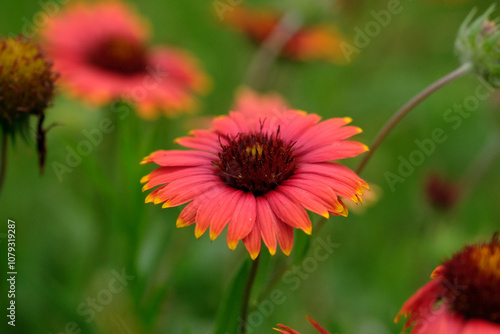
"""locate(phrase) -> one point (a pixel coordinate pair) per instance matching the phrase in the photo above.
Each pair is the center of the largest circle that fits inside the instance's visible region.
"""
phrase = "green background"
(72, 235)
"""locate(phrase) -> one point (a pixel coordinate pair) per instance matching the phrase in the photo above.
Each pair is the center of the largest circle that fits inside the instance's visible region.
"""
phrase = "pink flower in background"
(287, 330)
(252, 103)
(102, 54)
(463, 297)
(256, 171)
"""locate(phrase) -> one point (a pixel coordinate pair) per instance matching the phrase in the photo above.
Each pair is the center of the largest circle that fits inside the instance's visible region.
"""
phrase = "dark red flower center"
(473, 279)
(256, 162)
(120, 55)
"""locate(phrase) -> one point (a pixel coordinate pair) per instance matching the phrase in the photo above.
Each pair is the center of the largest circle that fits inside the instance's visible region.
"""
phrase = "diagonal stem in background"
(409, 106)
(269, 50)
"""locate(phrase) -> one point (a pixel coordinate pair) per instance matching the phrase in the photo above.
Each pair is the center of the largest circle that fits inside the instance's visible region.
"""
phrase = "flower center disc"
(256, 162)
(119, 55)
(476, 274)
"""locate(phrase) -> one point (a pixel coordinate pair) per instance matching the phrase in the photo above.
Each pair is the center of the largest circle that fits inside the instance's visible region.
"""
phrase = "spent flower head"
(26, 82)
(478, 43)
(26, 88)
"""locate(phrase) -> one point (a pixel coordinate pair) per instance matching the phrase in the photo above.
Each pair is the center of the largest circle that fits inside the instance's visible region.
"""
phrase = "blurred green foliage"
(73, 235)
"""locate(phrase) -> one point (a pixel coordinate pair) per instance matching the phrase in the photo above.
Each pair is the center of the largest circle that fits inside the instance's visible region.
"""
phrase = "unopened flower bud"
(477, 43)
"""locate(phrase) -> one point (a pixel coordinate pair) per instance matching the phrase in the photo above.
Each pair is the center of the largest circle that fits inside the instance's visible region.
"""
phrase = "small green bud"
(478, 43)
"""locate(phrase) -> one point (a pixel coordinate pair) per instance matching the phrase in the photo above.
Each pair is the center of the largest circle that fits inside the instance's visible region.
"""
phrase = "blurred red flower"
(101, 51)
(311, 42)
(463, 297)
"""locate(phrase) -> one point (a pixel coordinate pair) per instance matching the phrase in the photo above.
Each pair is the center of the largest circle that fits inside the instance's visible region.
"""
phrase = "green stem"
(246, 294)
(481, 164)
(269, 50)
(285, 267)
(3, 162)
(398, 116)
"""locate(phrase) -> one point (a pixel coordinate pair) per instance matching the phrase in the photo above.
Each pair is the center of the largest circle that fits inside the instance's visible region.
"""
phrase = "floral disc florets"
(256, 162)
(119, 55)
(476, 270)
(26, 80)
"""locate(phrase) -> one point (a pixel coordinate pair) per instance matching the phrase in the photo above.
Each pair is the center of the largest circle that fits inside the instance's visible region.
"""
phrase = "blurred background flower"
(441, 193)
(309, 43)
(103, 54)
(463, 296)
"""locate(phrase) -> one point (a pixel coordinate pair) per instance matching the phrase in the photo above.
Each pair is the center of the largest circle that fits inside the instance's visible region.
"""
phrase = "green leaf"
(230, 308)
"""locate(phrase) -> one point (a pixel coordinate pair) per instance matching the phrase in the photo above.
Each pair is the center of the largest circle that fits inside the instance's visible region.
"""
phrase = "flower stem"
(481, 165)
(269, 50)
(246, 294)
(394, 120)
(3, 162)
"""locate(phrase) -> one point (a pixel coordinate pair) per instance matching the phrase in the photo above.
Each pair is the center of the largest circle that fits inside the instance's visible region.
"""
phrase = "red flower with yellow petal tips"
(256, 171)
(287, 330)
(311, 42)
(463, 297)
(102, 54)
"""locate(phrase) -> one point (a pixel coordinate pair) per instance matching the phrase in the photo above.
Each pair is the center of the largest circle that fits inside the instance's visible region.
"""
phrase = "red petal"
(335, 151)
(224, 204)
(266, 220)
(180, 158)
(187, 216)
(242, 220)
(477, 326)
(421, 303)
(285, 236)
(288, 211)
(252, 242)
(316, 325)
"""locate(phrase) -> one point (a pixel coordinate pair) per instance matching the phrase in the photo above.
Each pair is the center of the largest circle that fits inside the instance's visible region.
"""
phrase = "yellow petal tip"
(232, 244)
(149, 198)
(198, 233)
(180, 223)
(347, 120)
(254, 255)
(286, 251)
(145, 179)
